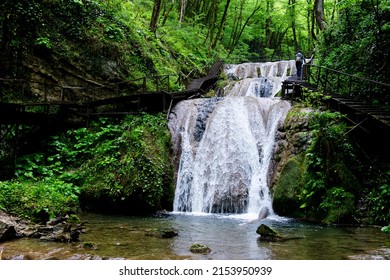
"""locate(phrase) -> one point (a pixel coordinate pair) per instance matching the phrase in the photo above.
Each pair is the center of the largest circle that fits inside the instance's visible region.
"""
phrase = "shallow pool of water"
(229, 237)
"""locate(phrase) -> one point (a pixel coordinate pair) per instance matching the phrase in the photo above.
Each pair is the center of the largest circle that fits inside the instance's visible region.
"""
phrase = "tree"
(291, 4)
(311, 35)
(221, 25)
(240, 25)
(182, 10)
(320, 14)
(155, 15)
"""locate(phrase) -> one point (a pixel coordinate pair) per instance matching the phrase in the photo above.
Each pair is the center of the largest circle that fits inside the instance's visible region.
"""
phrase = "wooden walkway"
(358, 111)
(159, 101)
(370, 124)
(25, 126)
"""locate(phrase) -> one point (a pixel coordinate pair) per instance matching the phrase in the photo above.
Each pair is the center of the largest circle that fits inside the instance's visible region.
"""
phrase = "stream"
(229, 237)
(223, 154)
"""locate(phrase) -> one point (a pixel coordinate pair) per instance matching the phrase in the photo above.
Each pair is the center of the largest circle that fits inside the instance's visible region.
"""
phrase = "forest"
(110, 41)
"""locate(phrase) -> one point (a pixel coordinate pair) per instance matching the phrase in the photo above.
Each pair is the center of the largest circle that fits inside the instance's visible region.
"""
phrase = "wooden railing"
(332, 81)
(63, 93)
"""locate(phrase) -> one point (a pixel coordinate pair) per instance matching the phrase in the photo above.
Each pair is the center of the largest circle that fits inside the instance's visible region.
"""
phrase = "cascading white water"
(224, 145)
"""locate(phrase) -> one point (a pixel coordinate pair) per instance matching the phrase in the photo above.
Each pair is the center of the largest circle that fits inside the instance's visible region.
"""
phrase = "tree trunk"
(166, 11)
(211, 20)
(221, 25)
(237, 36)
(320, 14)
(268, 22)
(311, 37)
(291, 4)
(182, 10)
(155, 14)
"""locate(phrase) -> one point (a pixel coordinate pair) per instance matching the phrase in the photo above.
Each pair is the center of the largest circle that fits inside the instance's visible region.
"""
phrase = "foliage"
(37, 198)
(386, 229)
(378, 199)
(357, 42)
(130, 166)
(330, 181)
(97, 32)
(109, 166)
(337, 203)
(314, 99)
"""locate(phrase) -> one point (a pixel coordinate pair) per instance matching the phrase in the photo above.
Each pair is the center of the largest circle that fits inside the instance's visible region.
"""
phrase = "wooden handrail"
(331, 81)
(346, 74)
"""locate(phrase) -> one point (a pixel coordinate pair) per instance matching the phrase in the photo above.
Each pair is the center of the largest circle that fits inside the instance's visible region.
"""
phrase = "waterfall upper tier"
(258, 79)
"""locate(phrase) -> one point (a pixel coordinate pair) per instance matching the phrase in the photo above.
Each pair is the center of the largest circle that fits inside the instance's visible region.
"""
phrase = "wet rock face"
(61, 231)
(7, 231)
(292, 140)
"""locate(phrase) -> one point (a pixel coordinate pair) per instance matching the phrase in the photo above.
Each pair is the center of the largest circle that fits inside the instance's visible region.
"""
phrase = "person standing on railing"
(299, 60)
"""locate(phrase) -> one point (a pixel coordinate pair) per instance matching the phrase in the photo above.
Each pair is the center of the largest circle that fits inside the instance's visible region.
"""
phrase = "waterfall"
(224, 145)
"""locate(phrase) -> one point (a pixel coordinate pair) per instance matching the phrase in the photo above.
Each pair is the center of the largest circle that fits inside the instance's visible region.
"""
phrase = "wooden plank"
(215, 68)
(350, 102)
(195, 84)
(384, 117)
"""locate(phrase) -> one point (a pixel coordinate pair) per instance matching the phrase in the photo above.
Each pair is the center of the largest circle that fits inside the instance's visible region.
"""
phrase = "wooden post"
(338, 83)
(318, 76)
(350, 86)
(144, 84)
(326, 79)
(45, 96)
(16, 144)
(62, 93)
(164, 101)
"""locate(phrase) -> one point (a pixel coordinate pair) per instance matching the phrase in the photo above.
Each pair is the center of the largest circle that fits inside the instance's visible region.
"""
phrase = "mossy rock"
(161, 233)
(288, 186)
(264, 230)
(90, 245)
(200, 249)
(269, 234)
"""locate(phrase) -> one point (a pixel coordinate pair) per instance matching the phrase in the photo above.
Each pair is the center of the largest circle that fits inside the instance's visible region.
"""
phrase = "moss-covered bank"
(111, 166)
(322, 176)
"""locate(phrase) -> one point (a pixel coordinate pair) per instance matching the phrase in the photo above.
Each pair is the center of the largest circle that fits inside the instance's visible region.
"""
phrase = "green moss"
(289, 186)
(200, 249)
(131, 171)
(338, 205)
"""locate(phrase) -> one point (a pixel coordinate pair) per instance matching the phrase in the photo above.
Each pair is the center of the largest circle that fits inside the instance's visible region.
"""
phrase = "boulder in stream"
(161, 233)
(269, 234)
(7, 231)
(200, 249)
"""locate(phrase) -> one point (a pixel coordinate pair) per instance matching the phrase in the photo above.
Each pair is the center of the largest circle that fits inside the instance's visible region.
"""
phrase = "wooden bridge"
(146, 101)
(352, 96)
(46, 117)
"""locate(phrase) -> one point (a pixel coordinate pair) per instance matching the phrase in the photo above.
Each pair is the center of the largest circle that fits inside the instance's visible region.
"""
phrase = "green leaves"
(45, 42)
(114, 162)
(28, 199)
(386, 229)
(330, 180)
(378, 201)
(122, 162)
(337, 203)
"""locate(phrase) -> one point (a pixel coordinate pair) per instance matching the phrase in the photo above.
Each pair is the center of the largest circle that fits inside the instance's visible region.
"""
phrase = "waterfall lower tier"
(223, 151)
